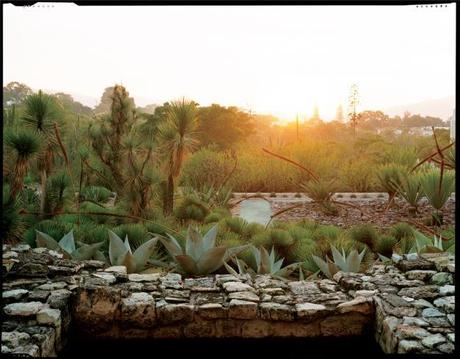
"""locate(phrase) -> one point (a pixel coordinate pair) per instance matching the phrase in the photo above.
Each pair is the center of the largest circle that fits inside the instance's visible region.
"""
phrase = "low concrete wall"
(409, 305)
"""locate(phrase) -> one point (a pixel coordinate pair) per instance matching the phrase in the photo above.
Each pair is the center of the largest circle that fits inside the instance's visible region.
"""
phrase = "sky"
(282, 60)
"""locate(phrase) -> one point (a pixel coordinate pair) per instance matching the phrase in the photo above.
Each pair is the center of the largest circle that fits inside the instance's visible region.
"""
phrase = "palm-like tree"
(26, 144)
(40, 114)
(178, 139)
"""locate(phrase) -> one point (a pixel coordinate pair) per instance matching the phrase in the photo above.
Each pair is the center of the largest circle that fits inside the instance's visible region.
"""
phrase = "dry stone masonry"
(409, 304)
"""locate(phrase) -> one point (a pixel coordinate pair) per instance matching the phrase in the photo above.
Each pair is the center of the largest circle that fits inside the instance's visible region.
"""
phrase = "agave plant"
(342, 262)
(265, 264)
(200, 256)
(120, 253)
(424, 244)
(67, 247)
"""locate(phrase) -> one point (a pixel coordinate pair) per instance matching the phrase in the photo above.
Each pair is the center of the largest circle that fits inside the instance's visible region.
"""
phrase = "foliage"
(67, 247)
(390, 177)
(385, 245)
(192, 208)
(426, 244)
(25, 144)
(120, 253)
(366, 234)
(342, 262)
(410, 189)
(436, 188)
(12, 225)
(96, 193)
(177, 135)
(265, 263)
(200, 256)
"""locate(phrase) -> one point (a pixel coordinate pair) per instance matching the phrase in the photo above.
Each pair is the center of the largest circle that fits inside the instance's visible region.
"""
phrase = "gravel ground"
(372, 206)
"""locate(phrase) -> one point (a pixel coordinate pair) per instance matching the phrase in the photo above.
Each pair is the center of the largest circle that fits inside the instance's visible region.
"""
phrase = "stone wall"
(410, 305)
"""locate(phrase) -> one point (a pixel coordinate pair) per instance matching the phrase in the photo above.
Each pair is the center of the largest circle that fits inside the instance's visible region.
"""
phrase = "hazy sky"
(272, 59)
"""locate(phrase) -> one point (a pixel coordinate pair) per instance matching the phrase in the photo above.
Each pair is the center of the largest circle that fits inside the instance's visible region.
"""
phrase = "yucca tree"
(178, 138)
(12, 224)
(40, 114)
(25, 144)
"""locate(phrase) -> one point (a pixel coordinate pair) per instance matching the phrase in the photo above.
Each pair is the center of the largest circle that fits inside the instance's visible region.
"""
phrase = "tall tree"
(178, 135)
(223, 126)
(15, 93)
(106, 101)
(123, 152)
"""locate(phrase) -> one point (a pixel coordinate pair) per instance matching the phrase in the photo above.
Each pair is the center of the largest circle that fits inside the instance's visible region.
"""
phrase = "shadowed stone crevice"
(409, 306)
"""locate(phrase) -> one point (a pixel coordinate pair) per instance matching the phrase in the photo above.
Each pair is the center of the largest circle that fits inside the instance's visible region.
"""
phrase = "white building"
(452, 126)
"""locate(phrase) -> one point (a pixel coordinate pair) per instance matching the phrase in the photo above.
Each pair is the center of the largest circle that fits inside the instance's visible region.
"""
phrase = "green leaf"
(67, 243)
(193, 244)
(128, 261)
(256, 254)
(86, 251)
(339, 260)
(231, 252)
(187, 264)
(117, 249)
(323, 266)
(383, 258)
(211, 260)
(264, 262)
(277, 265)
(171, 246)
(287, 271)
(99, 256)
(209, 239)
(144, 252)
(353, 261)
(46, 241)
(126, 243)
(230, 269)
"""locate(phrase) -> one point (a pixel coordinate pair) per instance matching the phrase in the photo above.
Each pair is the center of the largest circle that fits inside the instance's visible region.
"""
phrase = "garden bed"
(372, 206)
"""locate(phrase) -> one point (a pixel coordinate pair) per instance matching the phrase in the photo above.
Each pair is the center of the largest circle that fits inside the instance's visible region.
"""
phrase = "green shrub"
(96, 193)
(390, 177)
(252, 229)
(136, 232)
(235, 224)
(192, 208)
(281, 238)
(358, 176)
(437, 191)
(54, 229)
(216, 215)
(401, 230)
(366, 234)
(301, 250)
(328, 233)
(405, 236)
(385, 245)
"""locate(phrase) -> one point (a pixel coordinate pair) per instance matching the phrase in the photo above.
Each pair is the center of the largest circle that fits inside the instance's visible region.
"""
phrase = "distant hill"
(441, 108)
